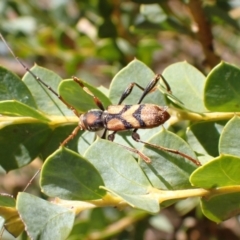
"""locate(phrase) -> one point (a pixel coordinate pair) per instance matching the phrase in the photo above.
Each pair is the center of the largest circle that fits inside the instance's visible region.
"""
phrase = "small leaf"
(137, 72)
(229, 140)
(7, 200)
(44, 220)
(116, 163)
(221, 207)
(168, 170)
(58, 135)
(46, 101)
(184, 76)
(12, 88)
(74, 95)
(12, 222)
(220, 172)
(15, 108)
(67, 175)
(22, 144)
(222, 89)
(223, 171)
(203, 137)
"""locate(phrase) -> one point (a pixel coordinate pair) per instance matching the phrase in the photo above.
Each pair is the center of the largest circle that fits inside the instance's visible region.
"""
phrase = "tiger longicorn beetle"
(118, 117)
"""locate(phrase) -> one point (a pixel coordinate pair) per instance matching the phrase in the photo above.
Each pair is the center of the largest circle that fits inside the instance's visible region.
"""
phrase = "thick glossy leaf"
(44, 220)
(7, 200)
(137, 72)
(18, 109)
(203, 137)
(222, 90)
(115, 162)
(46, 100)
(21, 142)
(184, 76)
(74, 95)
(229, 140)
(11, 87)
(67, 175)
(12, 222)
(220, 172)
(168, 170)
(221, 207)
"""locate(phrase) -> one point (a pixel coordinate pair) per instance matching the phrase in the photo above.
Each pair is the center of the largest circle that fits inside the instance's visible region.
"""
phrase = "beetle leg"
(128, 90)
(96, 99)
(111, 136)
(136, 137)
(71, 136)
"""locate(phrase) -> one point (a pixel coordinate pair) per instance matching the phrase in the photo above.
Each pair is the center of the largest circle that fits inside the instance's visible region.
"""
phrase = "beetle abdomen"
(123, 117)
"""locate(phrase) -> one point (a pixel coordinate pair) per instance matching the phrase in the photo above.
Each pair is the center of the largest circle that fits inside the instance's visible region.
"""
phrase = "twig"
(204, 32)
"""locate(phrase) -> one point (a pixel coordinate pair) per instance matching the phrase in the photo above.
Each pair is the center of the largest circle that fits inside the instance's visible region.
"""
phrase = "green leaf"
(15, 108)
(129, 183)
(184, 76)
(85, 141)
(58, 135)
(229, 140)
(12, 222)
(203, 137)
(80, 229)
(22, 144)
(220, 172)
(68, 175)
(46, 101)
(137, 72)
(74, 95)
(168, 170)
(143, 202)
(223, 171)
(12, 88)
(7, 200)
(44, 220)
(221, 207)
(116, 163)
(222, 89)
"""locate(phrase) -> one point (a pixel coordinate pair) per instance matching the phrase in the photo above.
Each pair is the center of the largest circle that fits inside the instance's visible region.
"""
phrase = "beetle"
(118, 117)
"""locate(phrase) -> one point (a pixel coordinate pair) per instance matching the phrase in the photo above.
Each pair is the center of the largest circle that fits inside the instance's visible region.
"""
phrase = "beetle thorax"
(91, 120)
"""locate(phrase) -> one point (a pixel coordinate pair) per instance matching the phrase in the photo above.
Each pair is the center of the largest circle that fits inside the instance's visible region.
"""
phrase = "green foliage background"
(94, 40)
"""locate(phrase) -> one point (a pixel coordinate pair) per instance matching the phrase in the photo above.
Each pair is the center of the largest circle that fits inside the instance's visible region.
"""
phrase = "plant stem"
(211, 116)
(160, 195)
